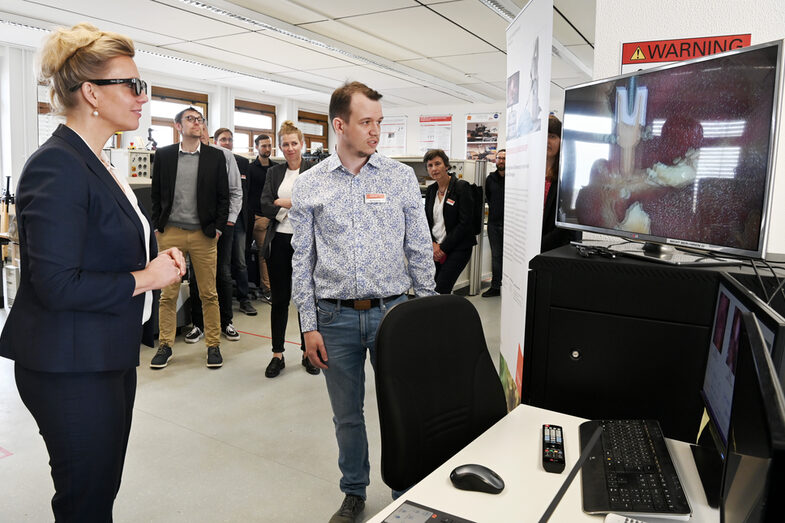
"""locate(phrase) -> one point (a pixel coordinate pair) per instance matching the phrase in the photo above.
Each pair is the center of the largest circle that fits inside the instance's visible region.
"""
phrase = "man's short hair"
(260, 138)
(220, 131)
(341, 100)
(178, 118)
(436, 153)
(501, 151)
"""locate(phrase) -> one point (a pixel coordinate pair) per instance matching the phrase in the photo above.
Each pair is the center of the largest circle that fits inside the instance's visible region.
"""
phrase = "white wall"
(620, 21)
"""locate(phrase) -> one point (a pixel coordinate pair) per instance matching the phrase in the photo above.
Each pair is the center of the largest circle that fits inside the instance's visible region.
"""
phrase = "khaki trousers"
(202, 251)
(259, 232)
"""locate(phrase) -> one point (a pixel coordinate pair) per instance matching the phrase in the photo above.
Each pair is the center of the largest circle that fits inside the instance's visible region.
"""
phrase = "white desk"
(512, 448)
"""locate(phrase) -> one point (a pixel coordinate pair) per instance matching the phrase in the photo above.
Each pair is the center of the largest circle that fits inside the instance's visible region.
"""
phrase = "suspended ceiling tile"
(422, 31)
(288, 47)
(490, 67)
(436, 68)
(563, 69)
(208, 51)
(584, 52)
(290, 12)
(492, 90)
(348, 8)
(425, 96)
(564, 33)
(361, 39)
(313, 77)
(372, 77)
(582, 14)
(476, 18)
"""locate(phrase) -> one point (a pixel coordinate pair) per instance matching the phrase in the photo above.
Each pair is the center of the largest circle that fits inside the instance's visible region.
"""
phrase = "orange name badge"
(450, 202)
(375, 198)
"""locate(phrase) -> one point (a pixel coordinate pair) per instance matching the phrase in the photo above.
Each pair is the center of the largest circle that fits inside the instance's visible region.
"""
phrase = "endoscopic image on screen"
(680, 153)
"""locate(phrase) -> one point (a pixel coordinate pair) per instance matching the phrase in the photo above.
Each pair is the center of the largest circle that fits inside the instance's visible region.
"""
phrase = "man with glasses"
(190, 200)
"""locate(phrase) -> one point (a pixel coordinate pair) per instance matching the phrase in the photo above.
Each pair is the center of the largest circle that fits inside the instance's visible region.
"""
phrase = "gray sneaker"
(162, 357)
(214, 359)
(230, 333)
(195, 335)
(351, 507)
(247, 308)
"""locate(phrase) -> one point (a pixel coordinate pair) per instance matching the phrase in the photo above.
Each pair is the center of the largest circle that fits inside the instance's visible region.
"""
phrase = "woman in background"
(88, 266)
(449, 207)
(553, 237)
(277, 248)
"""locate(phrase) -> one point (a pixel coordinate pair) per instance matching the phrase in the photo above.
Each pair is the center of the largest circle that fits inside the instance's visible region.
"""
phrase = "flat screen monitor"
(754, 476)
(681, 155)
(733, 301)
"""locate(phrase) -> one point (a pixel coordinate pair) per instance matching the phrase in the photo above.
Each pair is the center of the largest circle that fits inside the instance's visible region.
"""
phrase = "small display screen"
(410, 514)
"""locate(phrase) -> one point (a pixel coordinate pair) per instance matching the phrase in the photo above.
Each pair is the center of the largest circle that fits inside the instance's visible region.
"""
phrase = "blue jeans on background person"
(496, 241)
(239, 267)
(347, 335)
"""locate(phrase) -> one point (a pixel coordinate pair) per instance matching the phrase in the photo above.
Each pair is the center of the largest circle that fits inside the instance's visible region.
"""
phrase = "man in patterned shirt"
(360, 242)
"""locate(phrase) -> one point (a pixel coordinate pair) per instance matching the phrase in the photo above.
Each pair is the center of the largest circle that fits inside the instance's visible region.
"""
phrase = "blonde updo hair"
(72, 56)
(288, 127)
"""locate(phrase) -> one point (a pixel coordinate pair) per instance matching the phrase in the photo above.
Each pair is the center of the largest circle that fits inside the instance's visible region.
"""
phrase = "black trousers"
(223, 283)
(447, 273)
(496, 242)
(279, 265)
(85, 420)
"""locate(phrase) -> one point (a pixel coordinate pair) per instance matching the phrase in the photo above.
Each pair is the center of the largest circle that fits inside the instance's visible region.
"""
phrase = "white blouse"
(285, 191)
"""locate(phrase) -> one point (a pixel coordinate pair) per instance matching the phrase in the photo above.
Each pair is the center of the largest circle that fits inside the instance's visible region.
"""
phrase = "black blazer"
(212, 188)
(275, 175)
(242, 165)
(552, 236)
(79, 238)
(457, 215)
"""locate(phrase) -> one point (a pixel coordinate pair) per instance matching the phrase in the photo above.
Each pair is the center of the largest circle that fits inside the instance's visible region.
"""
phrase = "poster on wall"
(435, 133)
(392, 138)
(528, 92)
(482, 136)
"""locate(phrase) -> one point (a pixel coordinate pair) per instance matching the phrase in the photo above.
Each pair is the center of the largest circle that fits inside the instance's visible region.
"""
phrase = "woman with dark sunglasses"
(88, 268)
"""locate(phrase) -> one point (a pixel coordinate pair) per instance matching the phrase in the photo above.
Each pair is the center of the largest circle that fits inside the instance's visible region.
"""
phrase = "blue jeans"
(347, 335)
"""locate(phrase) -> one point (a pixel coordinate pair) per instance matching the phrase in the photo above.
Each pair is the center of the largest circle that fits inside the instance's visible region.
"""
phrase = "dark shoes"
(162, 357)
(310, 367)
(266, 296)
(194, 335)
(351, 507)
(214, 359)
(490, 293)
(230, 333)
(247, 308)
(275, 367)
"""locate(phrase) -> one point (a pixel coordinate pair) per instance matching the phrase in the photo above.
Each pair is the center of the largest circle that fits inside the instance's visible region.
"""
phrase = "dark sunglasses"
(139, 86)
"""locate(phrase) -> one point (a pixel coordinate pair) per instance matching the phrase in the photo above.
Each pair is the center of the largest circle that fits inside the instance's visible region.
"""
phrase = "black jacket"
(458, 213)
(257, 175)
(275, 175)
(494, 195)
(212, 188)
(242, 165)
(552, 236)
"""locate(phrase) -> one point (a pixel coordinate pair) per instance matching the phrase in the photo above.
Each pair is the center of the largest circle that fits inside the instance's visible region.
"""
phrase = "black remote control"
(552, 449)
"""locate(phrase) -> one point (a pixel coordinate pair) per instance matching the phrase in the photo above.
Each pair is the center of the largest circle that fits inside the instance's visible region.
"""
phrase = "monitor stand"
(709, 465)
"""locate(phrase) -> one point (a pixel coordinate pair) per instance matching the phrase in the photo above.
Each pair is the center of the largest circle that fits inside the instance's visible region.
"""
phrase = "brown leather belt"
(363, 305)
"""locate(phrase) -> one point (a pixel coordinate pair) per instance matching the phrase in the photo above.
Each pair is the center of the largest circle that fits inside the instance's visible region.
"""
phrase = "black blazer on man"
(212, 188)
(80, 239)
(458, 214)
(275, 175)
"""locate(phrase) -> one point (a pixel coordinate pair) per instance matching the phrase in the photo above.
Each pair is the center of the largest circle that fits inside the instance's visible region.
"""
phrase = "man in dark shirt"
(257, 174)
(494, 195)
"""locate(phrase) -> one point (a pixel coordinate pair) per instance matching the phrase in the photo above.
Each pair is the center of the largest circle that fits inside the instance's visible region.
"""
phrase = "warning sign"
(681, 49)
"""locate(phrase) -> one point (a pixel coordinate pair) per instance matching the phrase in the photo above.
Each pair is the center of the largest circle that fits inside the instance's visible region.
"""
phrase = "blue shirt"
(358, 236)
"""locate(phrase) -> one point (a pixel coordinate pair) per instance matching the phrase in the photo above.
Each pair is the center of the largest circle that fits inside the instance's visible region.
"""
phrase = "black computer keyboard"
(631, 472)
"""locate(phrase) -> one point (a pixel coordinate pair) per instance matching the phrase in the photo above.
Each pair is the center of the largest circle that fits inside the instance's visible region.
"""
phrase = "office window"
(164, 105)
(314, 128)
(250, 120)
(47, 120)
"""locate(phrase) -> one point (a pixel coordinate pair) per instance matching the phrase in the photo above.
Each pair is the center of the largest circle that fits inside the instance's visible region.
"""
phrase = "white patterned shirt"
(358, 236)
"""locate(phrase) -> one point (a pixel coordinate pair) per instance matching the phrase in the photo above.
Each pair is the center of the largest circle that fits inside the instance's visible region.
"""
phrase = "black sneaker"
(230, 333)
(351, 507)
(214, 359)
(247, 308)
(310, 367)
(275, 367)
(266, 296)
(194, 335)
(162, 357)
(490, 293)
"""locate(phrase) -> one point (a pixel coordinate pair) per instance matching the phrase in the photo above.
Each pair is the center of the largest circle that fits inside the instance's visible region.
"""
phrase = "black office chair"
(436, 385)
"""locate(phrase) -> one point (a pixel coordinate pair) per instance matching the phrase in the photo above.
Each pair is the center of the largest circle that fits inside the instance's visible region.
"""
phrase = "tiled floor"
(223, 445)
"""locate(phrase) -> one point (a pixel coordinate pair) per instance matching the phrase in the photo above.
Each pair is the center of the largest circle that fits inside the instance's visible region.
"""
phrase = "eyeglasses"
(139, 86)
(191, 118)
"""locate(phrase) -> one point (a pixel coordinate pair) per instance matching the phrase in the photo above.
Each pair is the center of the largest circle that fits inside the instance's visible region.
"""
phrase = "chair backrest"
(436, 385)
